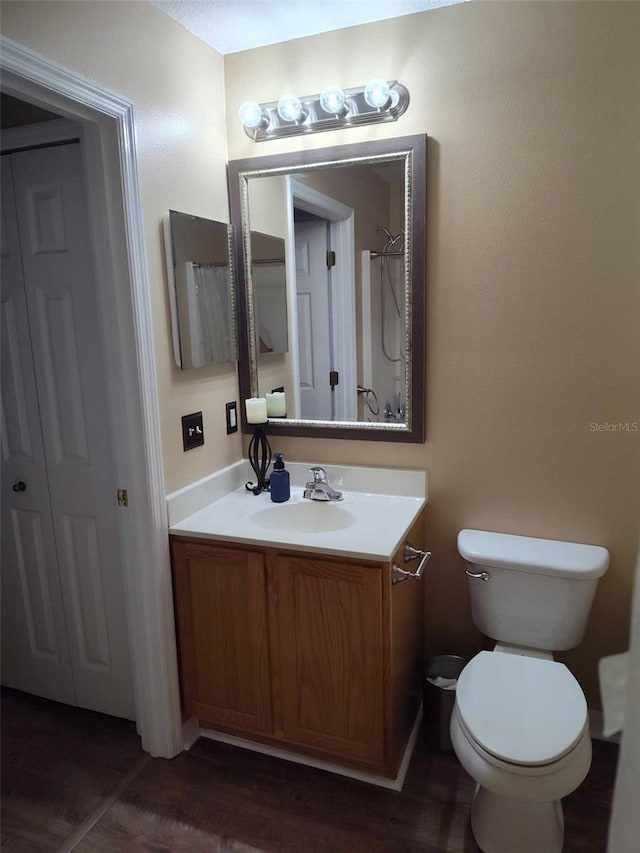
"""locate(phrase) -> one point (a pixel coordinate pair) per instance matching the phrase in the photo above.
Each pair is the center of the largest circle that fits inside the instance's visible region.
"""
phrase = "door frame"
(115, 213)
(343, 298)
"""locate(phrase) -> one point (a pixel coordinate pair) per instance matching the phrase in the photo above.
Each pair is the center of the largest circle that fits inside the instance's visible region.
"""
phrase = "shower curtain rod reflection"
(373, 254)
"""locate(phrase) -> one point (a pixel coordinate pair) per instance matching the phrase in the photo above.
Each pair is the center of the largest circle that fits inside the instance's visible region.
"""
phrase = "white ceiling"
(233, 25)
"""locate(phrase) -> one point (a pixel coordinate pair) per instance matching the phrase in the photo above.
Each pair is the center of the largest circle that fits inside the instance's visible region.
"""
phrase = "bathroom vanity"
(291, 630)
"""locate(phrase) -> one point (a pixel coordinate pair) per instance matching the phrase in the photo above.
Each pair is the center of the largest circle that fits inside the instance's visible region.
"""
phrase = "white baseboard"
(406, 758)
(361, 775)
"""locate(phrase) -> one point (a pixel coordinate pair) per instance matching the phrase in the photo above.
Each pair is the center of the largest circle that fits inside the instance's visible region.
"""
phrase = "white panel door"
(314, 320)
(70, 379)
(35, 655)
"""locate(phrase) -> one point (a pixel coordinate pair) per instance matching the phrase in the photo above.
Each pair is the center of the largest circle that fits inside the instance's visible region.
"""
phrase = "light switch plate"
(232, 417)
(192, 431)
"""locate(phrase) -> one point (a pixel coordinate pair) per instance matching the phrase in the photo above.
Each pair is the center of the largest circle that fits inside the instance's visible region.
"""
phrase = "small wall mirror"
(350, 221)
(201, 290)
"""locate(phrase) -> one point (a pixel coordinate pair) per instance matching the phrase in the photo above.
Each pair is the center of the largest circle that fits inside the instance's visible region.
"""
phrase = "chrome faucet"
(319, 489)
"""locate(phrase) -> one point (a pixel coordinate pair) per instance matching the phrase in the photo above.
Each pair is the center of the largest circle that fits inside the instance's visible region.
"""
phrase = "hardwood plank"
(219, 798)
(58, 764)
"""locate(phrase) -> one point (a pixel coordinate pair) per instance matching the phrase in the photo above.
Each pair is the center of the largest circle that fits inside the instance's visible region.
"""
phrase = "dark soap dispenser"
(279, 481)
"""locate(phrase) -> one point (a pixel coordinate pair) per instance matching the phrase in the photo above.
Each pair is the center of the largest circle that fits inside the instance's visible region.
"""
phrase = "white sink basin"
(367, 524)
(304, 517)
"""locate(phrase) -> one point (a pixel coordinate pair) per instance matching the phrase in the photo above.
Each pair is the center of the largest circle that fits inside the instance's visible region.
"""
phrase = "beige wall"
(176, 85)
(532, 110)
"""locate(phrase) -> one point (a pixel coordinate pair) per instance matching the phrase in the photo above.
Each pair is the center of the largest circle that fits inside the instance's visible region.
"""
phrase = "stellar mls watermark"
(620, 426)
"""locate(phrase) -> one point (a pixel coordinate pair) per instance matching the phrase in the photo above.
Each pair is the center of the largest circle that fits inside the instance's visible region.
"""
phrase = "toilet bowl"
(520, 729)
(520, 724)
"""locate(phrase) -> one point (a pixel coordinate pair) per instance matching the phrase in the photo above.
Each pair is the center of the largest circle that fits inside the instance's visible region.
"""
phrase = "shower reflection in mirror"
(384, 330)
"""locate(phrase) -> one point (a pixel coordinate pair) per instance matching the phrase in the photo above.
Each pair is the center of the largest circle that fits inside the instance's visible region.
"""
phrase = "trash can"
(439, 696)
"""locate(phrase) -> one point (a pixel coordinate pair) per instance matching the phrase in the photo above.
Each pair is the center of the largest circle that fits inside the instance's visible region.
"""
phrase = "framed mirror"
(352, 222)
(199, 261)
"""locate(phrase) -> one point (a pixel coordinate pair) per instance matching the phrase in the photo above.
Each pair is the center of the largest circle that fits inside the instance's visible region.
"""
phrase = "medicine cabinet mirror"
(351, 222)
(201, 290)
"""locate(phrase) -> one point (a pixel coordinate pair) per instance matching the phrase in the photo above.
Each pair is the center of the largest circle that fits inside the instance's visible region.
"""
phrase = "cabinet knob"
(20, 486)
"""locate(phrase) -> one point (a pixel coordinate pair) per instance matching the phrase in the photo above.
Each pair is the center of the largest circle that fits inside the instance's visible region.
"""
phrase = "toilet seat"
(521, 782)
(511, 767)
(521, 710)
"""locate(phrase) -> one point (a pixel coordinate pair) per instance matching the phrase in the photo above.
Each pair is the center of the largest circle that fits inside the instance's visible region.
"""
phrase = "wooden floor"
(76, 780)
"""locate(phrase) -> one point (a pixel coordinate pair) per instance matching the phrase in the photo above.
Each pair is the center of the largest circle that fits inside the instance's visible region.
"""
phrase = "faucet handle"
(319, 474)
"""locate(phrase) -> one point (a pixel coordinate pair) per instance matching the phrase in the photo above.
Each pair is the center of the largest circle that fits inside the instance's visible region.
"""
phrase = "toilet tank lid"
(525, 553)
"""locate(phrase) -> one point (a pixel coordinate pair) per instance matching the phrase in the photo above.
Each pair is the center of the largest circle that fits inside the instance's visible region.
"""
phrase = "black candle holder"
(259, 459)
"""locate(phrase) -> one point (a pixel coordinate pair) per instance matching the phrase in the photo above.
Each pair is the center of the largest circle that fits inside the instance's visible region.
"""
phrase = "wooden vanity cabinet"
(316, 654)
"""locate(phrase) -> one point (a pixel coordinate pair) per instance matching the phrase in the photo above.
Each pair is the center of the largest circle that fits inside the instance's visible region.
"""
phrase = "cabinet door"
(329, 636)
(222, 628)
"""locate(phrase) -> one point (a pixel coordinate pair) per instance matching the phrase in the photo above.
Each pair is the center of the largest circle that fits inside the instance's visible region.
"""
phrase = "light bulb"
(251, 115)
(332, 100)
(377, 93)
(290, 108)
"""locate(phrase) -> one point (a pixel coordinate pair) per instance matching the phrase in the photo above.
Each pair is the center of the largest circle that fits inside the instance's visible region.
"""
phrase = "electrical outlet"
(192, 431)
(232, 417)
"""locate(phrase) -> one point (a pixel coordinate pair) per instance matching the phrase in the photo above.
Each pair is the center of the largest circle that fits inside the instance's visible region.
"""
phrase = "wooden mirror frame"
(414, 151)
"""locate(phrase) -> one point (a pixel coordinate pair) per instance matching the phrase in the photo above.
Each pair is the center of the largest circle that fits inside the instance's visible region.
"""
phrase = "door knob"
(19, 486)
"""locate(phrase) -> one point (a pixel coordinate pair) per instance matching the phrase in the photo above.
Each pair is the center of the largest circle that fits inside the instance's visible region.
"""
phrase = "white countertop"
(363, 525)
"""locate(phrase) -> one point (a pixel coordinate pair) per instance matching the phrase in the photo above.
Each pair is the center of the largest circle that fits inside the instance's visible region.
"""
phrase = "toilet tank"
(539, 592)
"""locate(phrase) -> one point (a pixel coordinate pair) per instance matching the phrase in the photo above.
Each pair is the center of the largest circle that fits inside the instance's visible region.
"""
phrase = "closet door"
(70, 377)
(35, 654)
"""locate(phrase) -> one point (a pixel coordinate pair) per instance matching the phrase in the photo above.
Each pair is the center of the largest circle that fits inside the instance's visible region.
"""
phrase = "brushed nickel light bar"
(378, 101)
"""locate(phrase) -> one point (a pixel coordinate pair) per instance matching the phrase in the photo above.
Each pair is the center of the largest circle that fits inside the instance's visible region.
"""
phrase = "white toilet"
(519, 725)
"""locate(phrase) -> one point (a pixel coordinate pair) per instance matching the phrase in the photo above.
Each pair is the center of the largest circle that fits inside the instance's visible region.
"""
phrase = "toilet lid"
(520, 709)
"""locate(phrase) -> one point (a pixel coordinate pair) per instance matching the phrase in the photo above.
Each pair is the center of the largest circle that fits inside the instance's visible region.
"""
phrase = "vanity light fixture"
(333, 108)
(252, 116)
(290, 109)
(332, 101)
(378, 94)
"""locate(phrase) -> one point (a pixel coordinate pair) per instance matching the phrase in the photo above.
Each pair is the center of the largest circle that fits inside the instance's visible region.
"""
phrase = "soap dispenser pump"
(279, 481)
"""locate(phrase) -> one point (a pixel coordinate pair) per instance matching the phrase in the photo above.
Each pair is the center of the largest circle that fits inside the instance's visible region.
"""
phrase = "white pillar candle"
(276, 405)
(256, 409)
